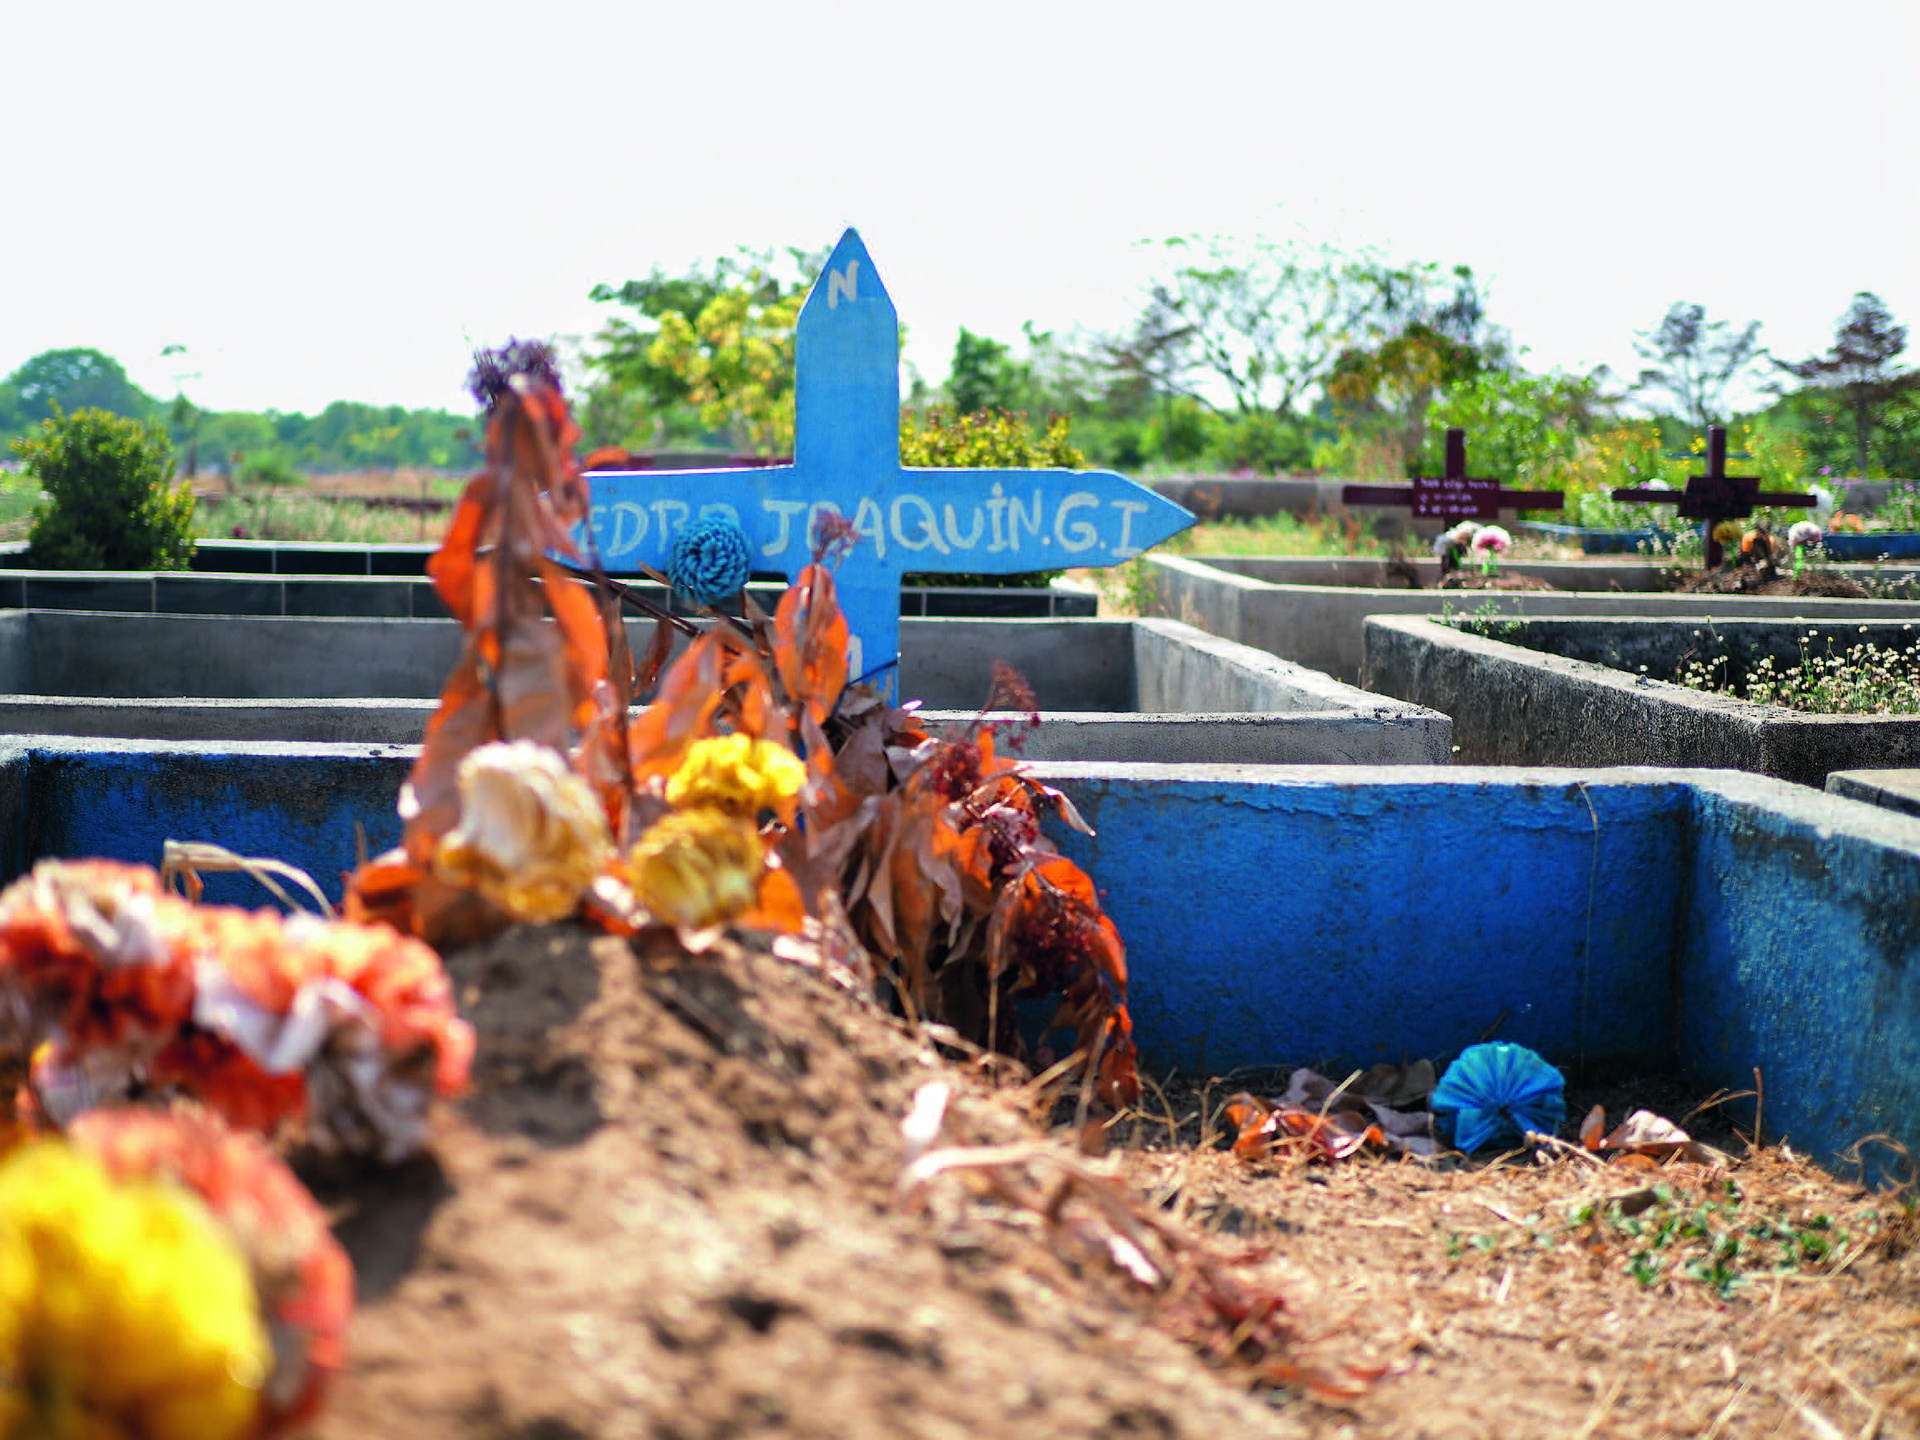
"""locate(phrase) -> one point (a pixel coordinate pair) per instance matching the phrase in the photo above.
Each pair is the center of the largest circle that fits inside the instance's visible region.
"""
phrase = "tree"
(1525, 429)
(1860, 368)
(1426, 334)
(712, 351)
(985, 376)
(1697, 361)
(1263, 322)
(112, 503)
(69, 380)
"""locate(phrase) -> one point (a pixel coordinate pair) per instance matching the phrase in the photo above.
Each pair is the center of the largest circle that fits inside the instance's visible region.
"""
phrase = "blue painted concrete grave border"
(1631, 920)
(846, 461)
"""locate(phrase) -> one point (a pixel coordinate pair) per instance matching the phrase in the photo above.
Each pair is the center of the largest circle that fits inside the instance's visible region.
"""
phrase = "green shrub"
(111, 501)
(1263, 444)
(267, 470)
(986, 440)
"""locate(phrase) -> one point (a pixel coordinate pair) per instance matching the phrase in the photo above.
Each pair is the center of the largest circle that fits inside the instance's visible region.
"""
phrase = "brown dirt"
(1499, 580)
(1751, 580)
(669, 1209)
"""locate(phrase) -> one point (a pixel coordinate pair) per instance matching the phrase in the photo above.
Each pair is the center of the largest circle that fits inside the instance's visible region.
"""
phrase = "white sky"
(338, 201)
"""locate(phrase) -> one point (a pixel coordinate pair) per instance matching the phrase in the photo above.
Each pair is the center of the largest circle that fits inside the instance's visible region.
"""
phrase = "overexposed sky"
(340, 201)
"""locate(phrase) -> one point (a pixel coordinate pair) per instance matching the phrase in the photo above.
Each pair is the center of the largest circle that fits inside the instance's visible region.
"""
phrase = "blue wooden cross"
(846, 460)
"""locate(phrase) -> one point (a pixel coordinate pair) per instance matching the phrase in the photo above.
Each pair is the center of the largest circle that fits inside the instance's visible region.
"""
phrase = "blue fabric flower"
(1497, 1092)
(710, 561)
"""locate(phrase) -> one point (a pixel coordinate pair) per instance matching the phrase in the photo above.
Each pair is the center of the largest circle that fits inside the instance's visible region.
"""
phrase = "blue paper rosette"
(710, 561)
(1498, 1092)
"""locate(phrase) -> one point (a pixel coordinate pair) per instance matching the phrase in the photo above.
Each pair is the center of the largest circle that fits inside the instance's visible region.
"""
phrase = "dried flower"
(710, 560)
(125, 1308)
(834, 537)
(1455, 542)
(697, 868)
(957, 763)
(531, 835)
(739, 775)
(261, 1017)
(1010, 691)
(495, 370)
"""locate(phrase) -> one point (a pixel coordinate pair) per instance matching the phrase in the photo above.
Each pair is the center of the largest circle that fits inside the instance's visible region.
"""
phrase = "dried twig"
(183, 860)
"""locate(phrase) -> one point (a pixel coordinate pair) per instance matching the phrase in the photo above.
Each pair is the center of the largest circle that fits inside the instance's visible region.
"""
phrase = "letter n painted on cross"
(843, 284)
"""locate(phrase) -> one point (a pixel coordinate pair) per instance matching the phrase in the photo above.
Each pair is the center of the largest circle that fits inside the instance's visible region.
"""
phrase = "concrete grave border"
(1146, 689)
(1319, 626)
(1515, 706)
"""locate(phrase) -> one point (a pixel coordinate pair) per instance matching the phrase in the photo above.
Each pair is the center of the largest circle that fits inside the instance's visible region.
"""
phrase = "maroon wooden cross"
(1716, 495)
(1453, 495)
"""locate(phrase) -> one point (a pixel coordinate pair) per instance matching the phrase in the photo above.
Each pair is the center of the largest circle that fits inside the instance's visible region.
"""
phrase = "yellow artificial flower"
(531, 835)
(696, 868)
(125, 1311)
(739, 775)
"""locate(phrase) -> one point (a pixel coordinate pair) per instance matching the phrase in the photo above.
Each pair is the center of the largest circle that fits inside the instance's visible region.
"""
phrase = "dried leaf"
(1594, 1128)
(779, 906)
(810, 646)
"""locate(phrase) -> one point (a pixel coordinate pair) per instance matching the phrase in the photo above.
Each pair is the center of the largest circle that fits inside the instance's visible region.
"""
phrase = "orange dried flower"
(266, 1018)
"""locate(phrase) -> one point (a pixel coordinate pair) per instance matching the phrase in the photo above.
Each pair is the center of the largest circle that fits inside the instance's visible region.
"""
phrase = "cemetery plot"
(1558, 690)
(1312, 612)
(694, 1162)
(1716, 496)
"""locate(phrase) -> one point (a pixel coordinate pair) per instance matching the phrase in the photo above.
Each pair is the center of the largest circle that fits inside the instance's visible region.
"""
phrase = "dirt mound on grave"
(1753, 580)
(669, 1208)
(1500, 580)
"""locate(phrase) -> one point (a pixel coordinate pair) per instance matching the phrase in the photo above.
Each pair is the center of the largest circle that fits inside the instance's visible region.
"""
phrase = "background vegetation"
(1251, 357)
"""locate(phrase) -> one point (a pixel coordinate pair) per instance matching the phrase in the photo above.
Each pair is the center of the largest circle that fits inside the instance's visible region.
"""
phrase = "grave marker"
(846, 460)
(1453, 495)
(1716, 495)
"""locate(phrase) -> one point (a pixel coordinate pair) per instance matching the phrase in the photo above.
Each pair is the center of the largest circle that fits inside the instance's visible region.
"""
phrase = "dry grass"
(1562, 1296)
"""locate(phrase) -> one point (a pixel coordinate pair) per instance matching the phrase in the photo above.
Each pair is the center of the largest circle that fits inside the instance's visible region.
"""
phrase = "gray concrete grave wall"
(1108, 690)
(1319, 626)
(1512, 705)
(158, 592)
(1889, 789)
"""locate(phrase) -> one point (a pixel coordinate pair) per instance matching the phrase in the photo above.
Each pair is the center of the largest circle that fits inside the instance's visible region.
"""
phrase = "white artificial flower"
(531, 836)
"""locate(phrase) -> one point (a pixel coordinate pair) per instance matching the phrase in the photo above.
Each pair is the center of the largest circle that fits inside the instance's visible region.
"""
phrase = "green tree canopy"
(985, 376)
(1860, 371)
(709, 356)
(1425, 333)
(69, 380)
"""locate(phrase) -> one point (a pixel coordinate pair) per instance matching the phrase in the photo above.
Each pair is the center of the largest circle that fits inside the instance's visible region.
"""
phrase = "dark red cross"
(1716, 495)
(1453, 495)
